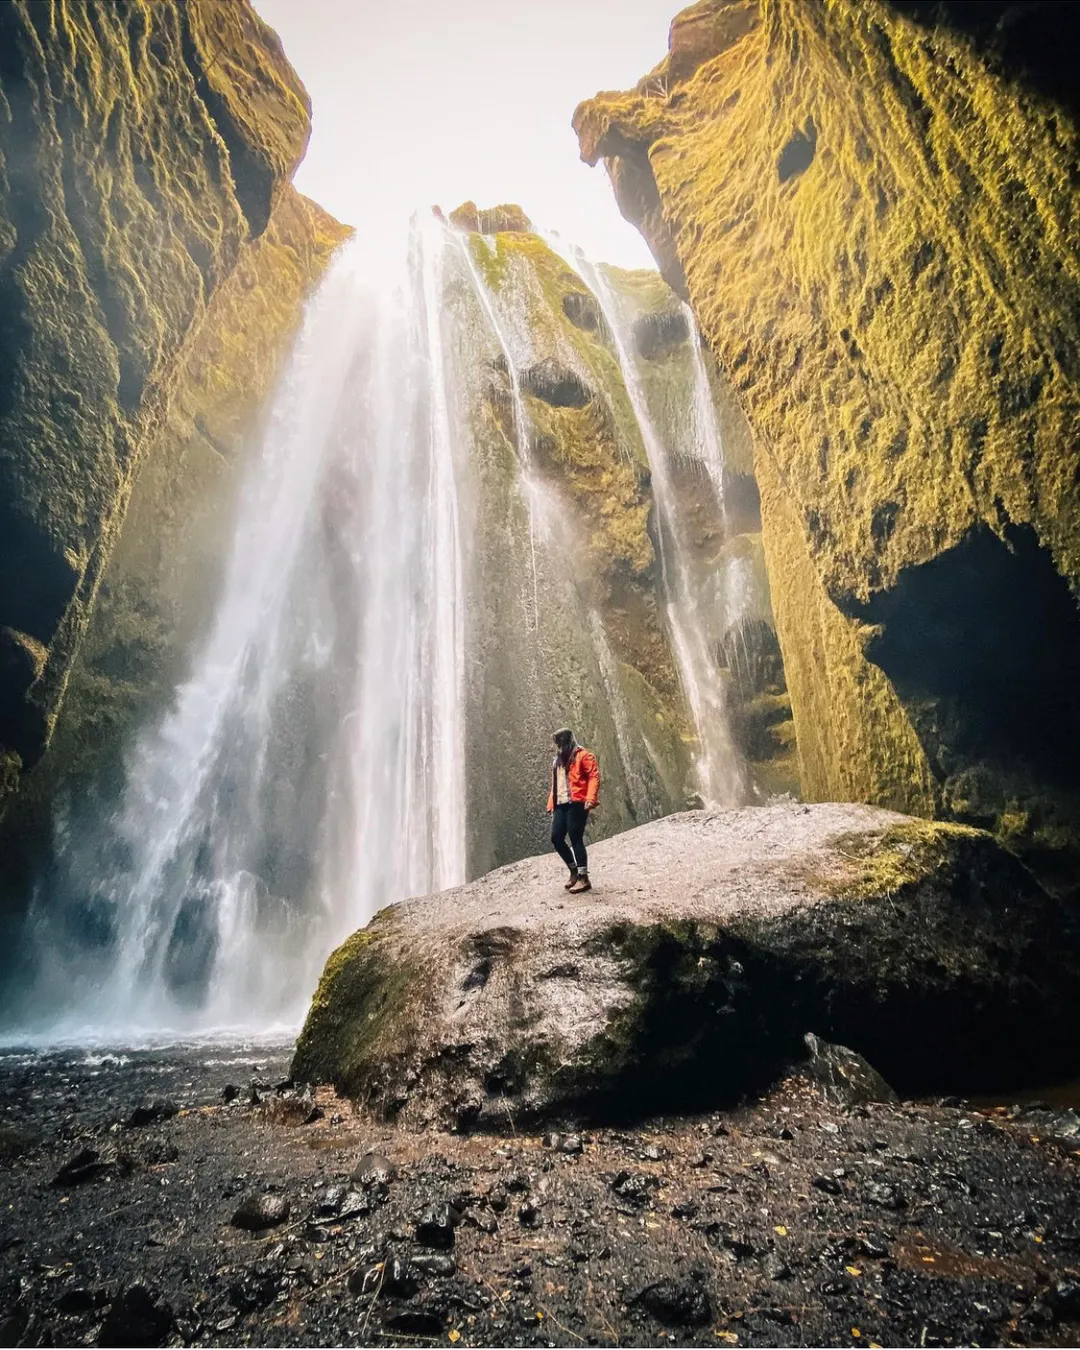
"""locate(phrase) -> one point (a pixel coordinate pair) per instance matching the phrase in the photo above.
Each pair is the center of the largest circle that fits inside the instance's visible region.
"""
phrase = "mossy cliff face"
(143, 146)
(875, 227)
(160, 582)
(564, 627)
(566, 532)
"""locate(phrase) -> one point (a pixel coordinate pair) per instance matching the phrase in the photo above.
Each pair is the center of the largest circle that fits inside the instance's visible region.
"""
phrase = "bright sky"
(425, 101)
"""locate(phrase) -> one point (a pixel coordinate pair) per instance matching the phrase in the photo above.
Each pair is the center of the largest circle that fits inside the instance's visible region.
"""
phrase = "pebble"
(435, 1226)
(257, 1212)
(152, 1111)
(676, 1303)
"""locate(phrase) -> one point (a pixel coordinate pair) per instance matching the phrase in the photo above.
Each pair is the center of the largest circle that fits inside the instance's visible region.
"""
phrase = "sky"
(418, 102)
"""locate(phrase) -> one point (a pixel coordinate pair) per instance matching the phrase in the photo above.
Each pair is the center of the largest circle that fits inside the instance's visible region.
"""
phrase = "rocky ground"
(194, 1197)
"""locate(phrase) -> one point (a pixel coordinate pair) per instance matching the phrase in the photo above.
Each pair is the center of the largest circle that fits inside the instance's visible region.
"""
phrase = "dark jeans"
(571, 820)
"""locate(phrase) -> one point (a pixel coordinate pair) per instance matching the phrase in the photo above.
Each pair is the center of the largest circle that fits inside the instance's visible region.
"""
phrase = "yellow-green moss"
(898, 858)
(141, 147)
(159, 579)
(898, 318)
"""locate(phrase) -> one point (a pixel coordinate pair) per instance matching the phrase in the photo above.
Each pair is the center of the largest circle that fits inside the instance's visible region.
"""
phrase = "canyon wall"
(145, 156)
(873, 217)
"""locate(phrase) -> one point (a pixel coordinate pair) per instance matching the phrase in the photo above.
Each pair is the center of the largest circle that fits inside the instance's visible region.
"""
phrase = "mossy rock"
(710, 943)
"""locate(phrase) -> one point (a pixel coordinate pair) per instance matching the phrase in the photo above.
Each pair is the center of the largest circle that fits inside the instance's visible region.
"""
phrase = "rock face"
(142, 148)
(872, 219)
(711, 943)
(571, 560)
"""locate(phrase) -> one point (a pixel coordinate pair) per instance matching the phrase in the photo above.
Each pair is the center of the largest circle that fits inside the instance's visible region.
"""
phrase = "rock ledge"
(711, 943)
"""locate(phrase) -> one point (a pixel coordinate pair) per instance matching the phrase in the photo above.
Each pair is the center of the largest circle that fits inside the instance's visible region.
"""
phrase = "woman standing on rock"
(575, 789)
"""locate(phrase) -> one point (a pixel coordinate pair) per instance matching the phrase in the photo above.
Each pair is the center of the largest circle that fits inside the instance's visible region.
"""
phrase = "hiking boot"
(581, 884)
(573, 879)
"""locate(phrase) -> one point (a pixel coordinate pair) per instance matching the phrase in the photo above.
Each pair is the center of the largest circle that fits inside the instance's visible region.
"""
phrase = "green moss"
(895, 320)
(899, 858)
(142, 146)
(362, 997)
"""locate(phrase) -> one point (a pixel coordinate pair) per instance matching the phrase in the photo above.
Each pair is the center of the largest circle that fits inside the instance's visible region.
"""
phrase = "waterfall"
(368, 717)
(721, 778)
(311, 767)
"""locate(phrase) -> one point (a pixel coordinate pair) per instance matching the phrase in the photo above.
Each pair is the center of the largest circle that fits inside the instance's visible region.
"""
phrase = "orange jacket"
(582, 778)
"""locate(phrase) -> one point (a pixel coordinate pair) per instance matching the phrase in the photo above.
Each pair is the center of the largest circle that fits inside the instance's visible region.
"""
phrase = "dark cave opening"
(990, 632)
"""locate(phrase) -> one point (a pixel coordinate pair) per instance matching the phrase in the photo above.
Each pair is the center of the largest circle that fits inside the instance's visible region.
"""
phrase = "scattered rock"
(152, 1111)
(434, 1263)
(373, 1170)
(528, 1214)
(775, 1267)
(138, 1316)
(884, 1194)
(257, 1212)
(843, 1077)
(829, 1185)
(229, 1093)
(435, 1227)
(636, 1188)
(676, 1303)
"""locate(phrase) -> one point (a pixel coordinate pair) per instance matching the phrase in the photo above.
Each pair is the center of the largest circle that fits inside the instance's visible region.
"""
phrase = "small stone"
(498, 1199)
(138, 1316)
(434, 1263)
(517, 1181)
(399, 1278)
(687, 1210)
(654, 1153)
(230, 1092)
(353, 1205)
(528, 1215)
(373, 1170)
(829, 1185)
(316, 1113)
(152, 1111)
(257, 1212)
(874, 1247)
(775, 1267)
(701, 1160)
(435, 1227)
(676, 1303)
(635, 1188)
(328, 1202)
(571, 1143)
(486, 1223)
(884, 1194)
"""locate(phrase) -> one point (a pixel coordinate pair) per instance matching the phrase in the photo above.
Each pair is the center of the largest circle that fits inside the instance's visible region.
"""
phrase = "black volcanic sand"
(788, 1222)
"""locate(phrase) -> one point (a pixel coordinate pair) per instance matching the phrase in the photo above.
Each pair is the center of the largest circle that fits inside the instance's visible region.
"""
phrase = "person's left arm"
(592, 776)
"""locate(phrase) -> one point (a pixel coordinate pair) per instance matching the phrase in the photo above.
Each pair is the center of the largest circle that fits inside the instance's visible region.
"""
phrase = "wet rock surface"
(938, 1225)
(710, 944)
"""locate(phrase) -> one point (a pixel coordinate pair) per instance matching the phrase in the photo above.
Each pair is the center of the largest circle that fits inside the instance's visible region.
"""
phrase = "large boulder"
(711, 943)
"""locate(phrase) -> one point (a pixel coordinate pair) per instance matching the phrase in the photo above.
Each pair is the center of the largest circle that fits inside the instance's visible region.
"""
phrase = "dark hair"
(563, 738)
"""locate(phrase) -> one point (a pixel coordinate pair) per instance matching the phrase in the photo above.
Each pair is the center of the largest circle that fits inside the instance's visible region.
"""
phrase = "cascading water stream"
(311, 768)
(317, 761)
(721, 777)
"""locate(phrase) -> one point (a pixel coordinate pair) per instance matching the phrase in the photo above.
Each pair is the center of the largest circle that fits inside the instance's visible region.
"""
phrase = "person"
(574, 794)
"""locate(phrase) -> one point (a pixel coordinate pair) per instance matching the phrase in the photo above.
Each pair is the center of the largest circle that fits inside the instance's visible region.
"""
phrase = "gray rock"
(843, 1076)
(489, 1002)
(152, 1111)
(257, 1212)
(374, 1170)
